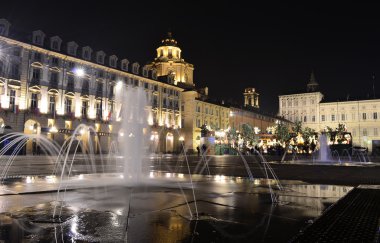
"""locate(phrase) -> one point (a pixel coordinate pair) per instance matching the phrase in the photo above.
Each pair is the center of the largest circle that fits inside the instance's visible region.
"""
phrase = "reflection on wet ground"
(162, 209)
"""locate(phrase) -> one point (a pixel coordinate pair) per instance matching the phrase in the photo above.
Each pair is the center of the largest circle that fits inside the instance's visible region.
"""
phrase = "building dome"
(169, 40)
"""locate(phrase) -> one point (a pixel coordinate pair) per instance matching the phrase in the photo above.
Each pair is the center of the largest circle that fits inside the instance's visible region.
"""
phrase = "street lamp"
(79, 72)
(53, 130)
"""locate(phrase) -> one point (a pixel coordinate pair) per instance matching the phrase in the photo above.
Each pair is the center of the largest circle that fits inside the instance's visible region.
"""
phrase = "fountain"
(133, 134)
(88, 197)
(324, 152)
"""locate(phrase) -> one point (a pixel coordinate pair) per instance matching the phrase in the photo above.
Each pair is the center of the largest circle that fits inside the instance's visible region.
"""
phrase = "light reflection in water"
(30, 179)
(51, 179)
(74, 226)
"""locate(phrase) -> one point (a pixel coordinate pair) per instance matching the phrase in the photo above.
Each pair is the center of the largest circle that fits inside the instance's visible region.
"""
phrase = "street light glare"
(79, 72)
(119, 84)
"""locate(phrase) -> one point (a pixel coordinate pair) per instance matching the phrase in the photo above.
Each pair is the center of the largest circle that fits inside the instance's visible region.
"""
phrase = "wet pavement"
(339, 173)
(220, 202)
(354, 218)
(163, 208)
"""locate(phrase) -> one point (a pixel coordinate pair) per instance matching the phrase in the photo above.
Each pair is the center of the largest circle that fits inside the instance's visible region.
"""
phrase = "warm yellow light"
(181, 138)
(53, 129)
(82, 131)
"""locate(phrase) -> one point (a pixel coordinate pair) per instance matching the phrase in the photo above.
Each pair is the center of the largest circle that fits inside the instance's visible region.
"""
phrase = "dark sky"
(271, 47)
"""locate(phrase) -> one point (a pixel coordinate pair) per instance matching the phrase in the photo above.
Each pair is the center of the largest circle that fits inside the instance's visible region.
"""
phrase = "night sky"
(271, 47)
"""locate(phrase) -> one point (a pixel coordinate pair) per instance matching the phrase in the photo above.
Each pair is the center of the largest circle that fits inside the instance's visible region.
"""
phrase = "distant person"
(198, 151)
(34, 147)
(312, 146)
(204, 148)
(38, 149)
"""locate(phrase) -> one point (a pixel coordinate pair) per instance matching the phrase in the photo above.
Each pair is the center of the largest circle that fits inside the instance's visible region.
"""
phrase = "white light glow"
(119, 85)
(79, 72)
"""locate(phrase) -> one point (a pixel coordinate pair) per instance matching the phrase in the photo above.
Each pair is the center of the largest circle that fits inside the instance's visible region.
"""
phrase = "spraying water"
(324, 149)
(133, 132)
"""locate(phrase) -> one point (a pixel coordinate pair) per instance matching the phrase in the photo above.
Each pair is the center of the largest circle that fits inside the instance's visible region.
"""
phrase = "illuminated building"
(49, 87)
(169, 61)
(251, 98)
(361, 117)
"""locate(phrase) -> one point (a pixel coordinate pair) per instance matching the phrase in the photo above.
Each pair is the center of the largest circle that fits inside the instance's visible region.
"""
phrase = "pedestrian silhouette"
(204, 148)
(198, 151)
(34, 147)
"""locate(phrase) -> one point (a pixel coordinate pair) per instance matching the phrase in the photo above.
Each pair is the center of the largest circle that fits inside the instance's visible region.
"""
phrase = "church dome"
(169, 40)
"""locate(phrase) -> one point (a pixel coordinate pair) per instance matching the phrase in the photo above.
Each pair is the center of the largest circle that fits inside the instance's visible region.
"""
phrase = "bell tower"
(251, 98)
(169, 61)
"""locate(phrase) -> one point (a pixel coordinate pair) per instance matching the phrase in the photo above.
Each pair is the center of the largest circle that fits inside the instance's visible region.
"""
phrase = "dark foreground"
(354, 218)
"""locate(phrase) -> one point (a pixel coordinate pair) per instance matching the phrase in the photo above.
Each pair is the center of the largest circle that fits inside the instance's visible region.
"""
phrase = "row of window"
(211, 111)
(54, 76)
(333, 117)
(213, 125)
(295, 102)
(344, 117)
(366, 132)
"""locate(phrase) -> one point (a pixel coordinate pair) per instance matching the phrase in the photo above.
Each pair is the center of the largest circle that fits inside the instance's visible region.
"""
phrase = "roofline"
(78, 60)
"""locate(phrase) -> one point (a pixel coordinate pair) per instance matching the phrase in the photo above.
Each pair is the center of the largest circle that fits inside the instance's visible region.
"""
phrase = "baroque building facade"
(49, 87)
(361, 117)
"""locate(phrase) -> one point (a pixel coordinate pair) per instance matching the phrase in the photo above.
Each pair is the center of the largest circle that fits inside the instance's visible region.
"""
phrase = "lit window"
(323, 118)
(364, 116)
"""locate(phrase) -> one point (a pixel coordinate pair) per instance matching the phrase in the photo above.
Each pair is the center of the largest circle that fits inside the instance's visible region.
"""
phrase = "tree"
(204, 131)
(247, 132)
(307, 133)
(282, 132)
(297, 127)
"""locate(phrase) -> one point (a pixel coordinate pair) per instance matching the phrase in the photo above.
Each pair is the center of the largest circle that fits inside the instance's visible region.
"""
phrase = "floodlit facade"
(49, 87)
(361, 117)
(197, 111)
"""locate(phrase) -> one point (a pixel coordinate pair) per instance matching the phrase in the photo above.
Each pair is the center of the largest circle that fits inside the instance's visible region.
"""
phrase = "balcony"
(15, 76)
(53, 84)
(34, 111)
(35, 82)
(70, 88)
(69, 116)
(99, 93)
(85, 91)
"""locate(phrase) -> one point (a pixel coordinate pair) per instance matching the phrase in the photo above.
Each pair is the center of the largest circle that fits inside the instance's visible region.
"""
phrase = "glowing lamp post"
(53, 130)
(79, 72)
